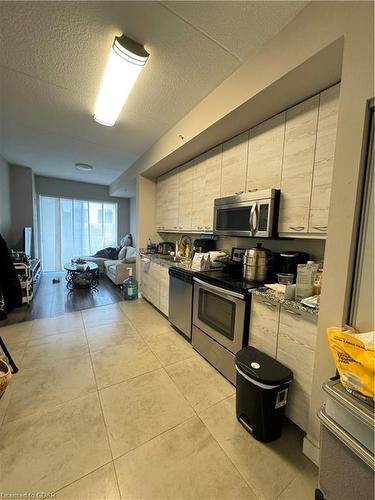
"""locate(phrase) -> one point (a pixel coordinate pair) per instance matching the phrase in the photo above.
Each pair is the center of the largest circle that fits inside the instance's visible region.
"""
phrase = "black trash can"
(262, 393)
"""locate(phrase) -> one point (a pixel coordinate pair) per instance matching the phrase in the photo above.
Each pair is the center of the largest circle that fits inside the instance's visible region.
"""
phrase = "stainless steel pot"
(257, 263)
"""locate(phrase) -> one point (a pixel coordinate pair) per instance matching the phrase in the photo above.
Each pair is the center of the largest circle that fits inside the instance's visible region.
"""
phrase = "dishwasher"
(181, 299)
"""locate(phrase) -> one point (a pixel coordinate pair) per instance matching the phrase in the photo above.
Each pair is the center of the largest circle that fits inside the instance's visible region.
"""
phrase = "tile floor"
(112, 403)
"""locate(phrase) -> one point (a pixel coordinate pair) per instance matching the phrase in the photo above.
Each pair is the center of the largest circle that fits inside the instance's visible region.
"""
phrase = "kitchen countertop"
(278, 298)
(167, 260)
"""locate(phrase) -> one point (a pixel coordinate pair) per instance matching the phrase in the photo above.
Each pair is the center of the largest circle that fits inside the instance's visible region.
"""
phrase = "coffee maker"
(287, 262)
(203, 245)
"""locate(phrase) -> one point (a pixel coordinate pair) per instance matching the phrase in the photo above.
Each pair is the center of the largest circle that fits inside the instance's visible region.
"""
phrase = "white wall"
(133, 219)
(5, 204)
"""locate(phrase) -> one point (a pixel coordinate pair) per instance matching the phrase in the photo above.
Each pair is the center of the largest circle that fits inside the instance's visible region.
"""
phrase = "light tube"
(123, 68)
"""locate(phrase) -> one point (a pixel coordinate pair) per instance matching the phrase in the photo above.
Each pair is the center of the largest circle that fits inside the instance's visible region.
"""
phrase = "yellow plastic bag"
(354, 357)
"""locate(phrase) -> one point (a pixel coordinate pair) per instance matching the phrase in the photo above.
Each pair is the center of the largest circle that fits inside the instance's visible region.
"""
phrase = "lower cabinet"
(264, 324)
(290, 337)
(155, 283)
(164, 288)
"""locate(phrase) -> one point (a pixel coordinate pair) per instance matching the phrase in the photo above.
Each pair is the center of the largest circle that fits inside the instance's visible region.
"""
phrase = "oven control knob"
(255, 365)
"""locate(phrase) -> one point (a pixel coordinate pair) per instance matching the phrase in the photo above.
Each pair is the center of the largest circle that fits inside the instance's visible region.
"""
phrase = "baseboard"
(311, 449)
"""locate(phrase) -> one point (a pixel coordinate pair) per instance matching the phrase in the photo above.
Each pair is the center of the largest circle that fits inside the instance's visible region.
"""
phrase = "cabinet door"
(171, 198)
(153, 285)
(198, 196)
(296, 350)
(234, 165)
(264, 324)
(266, 145)
(145, 277)
(298, 162)
(212, 185)
(161, 203)
(185, 196)
(164, 288)
(324, 158)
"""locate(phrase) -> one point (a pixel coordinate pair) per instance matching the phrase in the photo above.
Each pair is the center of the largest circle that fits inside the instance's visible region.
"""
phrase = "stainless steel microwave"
(252, 214)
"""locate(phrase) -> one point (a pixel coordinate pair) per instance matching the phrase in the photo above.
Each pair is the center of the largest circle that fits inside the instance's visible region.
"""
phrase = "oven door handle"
(221, 291)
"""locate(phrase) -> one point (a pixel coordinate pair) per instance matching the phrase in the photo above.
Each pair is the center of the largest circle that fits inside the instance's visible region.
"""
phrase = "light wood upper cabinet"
(212, 166)
(167, 191)
(198, 183)
(161, 202)
(185, 196)
(324, 159)
(265, 156)
(264, 325)
(298, 164)
(234, 165)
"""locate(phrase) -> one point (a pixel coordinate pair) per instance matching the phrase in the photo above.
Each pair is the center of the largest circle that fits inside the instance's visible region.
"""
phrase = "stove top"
(229, 278)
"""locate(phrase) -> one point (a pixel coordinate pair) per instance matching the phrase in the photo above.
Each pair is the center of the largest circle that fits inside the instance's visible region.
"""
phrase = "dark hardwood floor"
(54, 299)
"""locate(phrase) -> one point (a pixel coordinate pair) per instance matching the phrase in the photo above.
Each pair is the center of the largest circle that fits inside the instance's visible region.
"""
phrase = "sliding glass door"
(70, 228)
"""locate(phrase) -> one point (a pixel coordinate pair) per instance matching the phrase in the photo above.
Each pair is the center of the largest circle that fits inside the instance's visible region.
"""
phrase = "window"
(70, 228)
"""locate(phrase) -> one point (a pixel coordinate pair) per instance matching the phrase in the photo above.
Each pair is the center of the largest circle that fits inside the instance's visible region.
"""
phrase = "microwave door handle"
(256, 219)
(251, 219)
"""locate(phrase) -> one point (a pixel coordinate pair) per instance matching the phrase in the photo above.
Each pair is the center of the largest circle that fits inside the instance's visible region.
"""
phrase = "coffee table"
(81, 275)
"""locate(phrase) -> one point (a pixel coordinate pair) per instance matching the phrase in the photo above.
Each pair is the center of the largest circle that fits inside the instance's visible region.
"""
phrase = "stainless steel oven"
(220, 313)
(251, 214)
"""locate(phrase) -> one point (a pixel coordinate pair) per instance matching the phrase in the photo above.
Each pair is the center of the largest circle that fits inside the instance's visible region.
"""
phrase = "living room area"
(47, 224)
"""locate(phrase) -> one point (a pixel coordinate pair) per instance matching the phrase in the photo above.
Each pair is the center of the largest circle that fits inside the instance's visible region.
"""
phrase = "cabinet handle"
(252, 190)
(199, 227)
(293, 313)
(321, 228)
(297, 228)
(239, 192)
(270, 305)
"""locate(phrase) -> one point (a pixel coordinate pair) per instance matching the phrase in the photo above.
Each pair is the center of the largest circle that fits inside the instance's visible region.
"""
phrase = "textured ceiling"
(53, 55)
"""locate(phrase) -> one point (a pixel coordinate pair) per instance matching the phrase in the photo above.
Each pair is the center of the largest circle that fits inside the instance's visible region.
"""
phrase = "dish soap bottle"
(305, 279)
(130, 287)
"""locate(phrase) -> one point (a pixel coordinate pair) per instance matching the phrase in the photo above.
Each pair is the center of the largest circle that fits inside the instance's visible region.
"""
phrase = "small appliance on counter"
(203, 245)
(257, 263)
(165, 247)
(209, 260)
(287, 262)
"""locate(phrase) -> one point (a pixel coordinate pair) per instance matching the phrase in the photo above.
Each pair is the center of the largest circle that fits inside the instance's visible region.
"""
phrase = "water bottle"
(130, 287)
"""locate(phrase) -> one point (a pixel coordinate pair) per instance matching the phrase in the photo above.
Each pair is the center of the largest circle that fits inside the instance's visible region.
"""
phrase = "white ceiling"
(53, 55)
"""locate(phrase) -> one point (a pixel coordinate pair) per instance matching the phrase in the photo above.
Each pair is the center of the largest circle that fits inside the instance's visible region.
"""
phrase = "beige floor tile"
(46, 351)
(183, 463)
(199, 382)
(133, 308)
(303, 486)
(124, 361)
(16, 336)
(102, 315)
(267, 468)
(140, 409)
(59, 324)
(170, 347)
(40, 388)
(149, 327)
(46, 452)
(109, 335)
(99, 485)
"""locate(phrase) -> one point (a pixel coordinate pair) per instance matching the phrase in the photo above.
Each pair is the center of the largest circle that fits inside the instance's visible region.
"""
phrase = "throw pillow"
(131, 252)
(122, 253)
(126, 240)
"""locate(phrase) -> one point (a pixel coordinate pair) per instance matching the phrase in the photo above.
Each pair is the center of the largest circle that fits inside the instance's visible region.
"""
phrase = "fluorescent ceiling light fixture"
(84, 166)
(123, 68)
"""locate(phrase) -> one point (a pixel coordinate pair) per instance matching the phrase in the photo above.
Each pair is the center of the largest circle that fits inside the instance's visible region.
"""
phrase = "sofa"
(116, 270)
